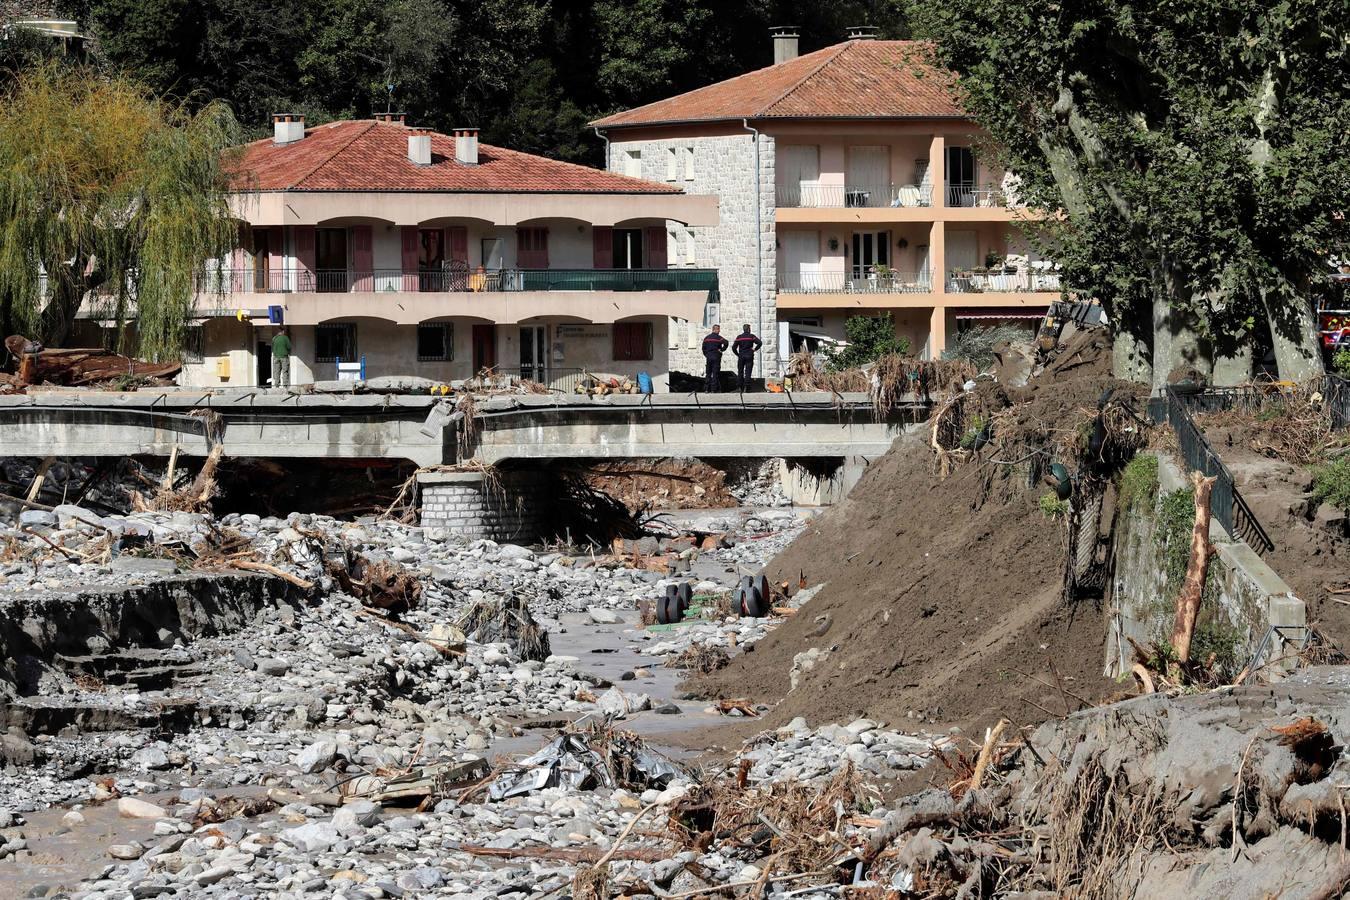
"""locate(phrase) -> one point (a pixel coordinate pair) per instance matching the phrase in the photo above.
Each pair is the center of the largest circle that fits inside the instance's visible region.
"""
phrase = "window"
(532, 248)
(870, 250)
(632, 163)
(690, 251)
(193, 344)
(688, 163)
(435, 342)
(672, 163)
(492, 253)
(335, 342)
(632, 341)
(627, 248)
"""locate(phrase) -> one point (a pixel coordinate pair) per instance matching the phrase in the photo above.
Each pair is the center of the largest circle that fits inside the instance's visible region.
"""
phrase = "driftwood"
(1188, 600)
(987, 753)
(250, 566)
(567, 854)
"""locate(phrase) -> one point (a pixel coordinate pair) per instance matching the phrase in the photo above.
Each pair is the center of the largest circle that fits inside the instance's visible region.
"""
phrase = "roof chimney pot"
(392, 118)
(863, 33)
(466, 146)
(419, 148)
(287, 128)
(784, 43)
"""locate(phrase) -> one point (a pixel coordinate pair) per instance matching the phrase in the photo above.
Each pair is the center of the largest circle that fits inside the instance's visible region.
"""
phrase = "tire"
(750, 603)
(685, 593)
(765, 593)
(674, 612)
(662, 607)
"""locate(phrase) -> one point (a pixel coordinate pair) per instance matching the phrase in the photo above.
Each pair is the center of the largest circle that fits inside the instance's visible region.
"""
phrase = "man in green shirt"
(281, 359)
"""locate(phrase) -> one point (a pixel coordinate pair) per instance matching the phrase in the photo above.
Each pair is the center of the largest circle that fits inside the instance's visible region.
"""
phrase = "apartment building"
(391, 250)
(851, 183)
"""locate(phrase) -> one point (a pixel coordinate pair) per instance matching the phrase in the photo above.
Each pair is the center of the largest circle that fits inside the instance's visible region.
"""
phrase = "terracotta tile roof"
(855, 79)
(368, 155)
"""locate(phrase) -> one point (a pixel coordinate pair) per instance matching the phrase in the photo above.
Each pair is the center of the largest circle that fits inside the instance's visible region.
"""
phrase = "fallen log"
(1197, 569)
(567, 854)
(249, 565)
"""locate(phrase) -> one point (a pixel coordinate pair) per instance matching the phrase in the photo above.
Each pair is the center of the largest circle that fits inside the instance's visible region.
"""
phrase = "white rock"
(316, 757)
(314, 837)
(601, 616)
(132, 808)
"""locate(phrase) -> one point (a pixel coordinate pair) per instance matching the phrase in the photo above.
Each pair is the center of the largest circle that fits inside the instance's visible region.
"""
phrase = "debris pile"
(75, 367)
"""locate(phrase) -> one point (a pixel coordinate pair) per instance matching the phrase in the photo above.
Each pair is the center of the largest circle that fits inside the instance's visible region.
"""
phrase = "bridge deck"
(279, 424)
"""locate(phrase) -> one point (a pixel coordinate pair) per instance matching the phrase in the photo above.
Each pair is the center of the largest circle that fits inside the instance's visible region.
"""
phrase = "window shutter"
(620, 332)
(656, 247)
(459, 243)
(363, 257)
(672, 163)
(240, 276)
(411, 254)
(688, 163)
(602, 237)
(304, 257)
(532, 248)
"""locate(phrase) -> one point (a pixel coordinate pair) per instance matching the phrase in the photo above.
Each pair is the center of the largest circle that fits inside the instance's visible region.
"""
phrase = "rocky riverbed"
(313, 746)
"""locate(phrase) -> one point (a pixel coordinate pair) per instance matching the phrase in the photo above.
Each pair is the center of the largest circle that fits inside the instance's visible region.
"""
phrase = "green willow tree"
(1197, 149)
(110, 198)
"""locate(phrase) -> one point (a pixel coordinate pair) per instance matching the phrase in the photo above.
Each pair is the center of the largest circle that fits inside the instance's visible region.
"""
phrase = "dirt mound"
(941, 598)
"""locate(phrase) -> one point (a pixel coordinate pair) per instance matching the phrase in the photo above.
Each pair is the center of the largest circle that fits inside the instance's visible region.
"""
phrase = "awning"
(997, 312)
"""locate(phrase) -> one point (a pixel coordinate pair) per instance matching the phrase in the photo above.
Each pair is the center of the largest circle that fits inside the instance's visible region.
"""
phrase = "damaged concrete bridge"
(518, 432)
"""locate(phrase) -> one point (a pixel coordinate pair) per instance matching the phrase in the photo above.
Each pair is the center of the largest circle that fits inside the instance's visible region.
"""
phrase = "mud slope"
(938, 607)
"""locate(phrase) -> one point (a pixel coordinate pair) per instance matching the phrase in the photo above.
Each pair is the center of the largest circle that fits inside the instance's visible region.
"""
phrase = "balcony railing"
(853, 283)
(1022, 281)
(855, 196)
(979, 196)
(460, 280)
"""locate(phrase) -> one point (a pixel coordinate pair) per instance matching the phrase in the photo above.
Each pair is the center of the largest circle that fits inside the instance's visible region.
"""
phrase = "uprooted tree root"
(700, 659)
(507, 621)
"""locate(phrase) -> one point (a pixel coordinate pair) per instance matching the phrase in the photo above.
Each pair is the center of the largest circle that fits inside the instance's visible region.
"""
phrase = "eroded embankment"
(106, 634)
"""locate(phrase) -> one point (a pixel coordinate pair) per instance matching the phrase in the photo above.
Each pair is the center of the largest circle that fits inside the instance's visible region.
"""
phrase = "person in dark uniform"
(744, 348)
(714, 345)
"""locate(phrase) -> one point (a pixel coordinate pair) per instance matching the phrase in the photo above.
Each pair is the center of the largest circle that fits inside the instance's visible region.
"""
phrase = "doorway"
(484, 338)
(870, 249)
(264, 356)
(262, 260)
(330, 257)
(960, 176)
(534, 353)
(627, 248)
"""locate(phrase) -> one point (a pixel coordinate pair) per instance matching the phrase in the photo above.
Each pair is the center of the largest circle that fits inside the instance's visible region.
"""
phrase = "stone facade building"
(871, 193)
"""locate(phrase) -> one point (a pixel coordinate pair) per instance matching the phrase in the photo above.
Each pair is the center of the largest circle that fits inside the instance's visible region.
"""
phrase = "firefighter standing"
(714, 345)
(745, 347)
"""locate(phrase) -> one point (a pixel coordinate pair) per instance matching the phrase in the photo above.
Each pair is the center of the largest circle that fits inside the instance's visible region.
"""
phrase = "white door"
(869, 176)
(963, 250)
(800, 267)
(797, 174)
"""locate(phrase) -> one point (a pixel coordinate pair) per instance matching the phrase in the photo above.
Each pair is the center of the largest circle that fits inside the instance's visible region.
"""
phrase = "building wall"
(723, 165)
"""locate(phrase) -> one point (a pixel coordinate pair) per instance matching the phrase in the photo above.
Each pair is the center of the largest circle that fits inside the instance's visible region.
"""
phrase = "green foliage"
(1215, 635)
(974, 425)
(869, 339)
(1176, 521)
(116, 193)
(1179, 139)
(976, 345)
(1053, 508)
(1139, 482)
(1340, 363)
(1331, 483)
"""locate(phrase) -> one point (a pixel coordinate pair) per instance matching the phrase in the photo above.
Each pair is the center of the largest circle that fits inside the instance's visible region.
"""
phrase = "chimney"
(392, 118)
(784, 43)
(466, 146)
(419, 148)
(287, 128)
(862, 33)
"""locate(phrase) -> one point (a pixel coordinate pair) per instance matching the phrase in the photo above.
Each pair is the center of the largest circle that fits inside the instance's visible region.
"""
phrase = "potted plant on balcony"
(884, 277)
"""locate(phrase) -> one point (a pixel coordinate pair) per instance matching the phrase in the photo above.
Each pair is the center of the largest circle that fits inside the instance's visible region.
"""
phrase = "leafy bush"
(1053, 508)
(1139, 481)
(976, 345)
(1340, 363)
(972, 432)
(869, 339)
(1331, 483)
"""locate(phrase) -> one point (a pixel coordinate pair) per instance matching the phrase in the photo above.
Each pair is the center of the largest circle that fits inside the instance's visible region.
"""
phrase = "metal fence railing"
(848, 282)
(965, 281)
(454, 279)
(854, 196)
(982, 196)
(1336, 395)
(563, 380)
(1227, 503)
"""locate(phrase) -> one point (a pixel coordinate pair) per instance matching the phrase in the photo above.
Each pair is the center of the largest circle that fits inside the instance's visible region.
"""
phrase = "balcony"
(854, 196)
(454, 280)
(1021, 281)
(870, 282)
(976, 196)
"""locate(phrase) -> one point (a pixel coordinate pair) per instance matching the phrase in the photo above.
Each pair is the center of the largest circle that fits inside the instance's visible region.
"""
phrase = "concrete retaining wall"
(1250, 596)
(469, 504)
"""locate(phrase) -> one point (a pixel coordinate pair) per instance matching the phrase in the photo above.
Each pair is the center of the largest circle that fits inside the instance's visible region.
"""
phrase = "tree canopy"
(108, 196)
(1198, 150)
(529, 73)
